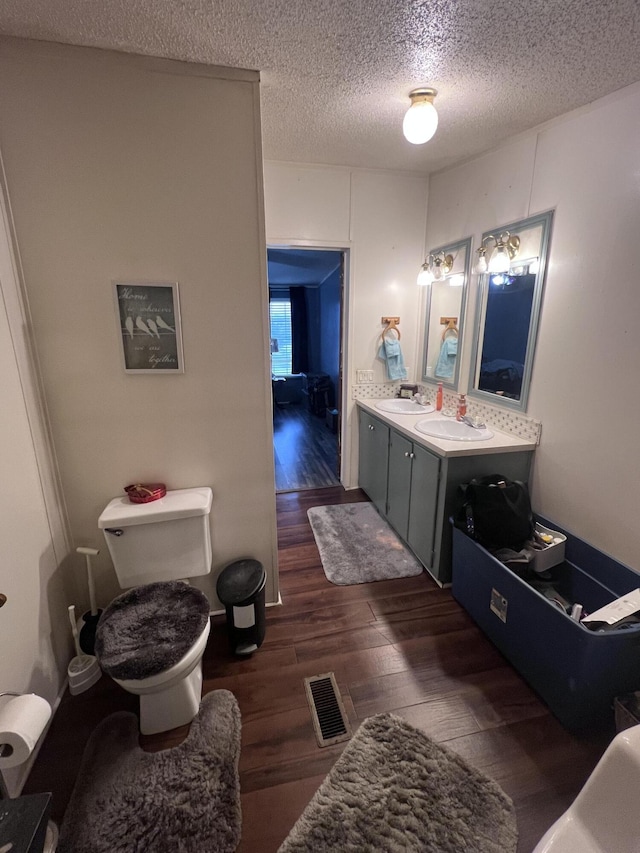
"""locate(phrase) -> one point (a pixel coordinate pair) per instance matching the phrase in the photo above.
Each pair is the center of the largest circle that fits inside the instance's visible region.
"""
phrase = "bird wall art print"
(149, 322)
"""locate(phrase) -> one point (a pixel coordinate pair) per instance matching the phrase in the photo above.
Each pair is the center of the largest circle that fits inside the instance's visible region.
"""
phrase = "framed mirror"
(512, 262)
(447, 273)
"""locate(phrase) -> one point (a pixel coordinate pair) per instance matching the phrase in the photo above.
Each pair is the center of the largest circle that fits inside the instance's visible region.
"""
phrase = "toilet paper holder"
(51, 837)
(8, 749)
(4, 794)
(3, 746)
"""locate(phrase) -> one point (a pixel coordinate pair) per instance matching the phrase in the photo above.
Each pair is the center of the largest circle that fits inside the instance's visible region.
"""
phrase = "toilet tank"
(167, 539)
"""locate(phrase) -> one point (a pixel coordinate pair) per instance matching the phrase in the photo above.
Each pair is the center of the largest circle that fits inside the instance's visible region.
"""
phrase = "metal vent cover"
(330, 719)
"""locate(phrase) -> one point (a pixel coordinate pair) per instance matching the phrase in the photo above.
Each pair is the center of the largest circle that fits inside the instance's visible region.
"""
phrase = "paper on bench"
(621, 608)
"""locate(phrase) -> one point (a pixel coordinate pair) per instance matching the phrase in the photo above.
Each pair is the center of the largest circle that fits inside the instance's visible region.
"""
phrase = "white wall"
(586, 166)
(34, 635)
(380, 218)
(122, 167)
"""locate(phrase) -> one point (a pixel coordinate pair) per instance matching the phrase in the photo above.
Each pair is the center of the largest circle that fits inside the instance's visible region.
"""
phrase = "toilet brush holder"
(83, 670)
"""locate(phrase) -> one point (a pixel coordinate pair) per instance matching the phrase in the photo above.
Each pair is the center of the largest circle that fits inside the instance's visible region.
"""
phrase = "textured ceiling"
(336, 73)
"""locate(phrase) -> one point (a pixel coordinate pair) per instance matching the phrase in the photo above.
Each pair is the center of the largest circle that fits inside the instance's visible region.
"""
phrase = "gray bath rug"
(181, 800)
(357, 545)
(394, 790)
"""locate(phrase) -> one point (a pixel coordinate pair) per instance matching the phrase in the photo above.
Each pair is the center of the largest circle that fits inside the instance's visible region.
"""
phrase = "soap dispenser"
(462, 407)
(439, 397)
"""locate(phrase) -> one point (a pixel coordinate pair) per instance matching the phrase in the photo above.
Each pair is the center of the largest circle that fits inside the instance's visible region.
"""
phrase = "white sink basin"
(452, 430)
(403, 407)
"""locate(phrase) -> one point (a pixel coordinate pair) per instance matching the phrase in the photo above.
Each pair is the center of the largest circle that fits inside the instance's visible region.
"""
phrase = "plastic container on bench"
(576, 671)
(553, 554)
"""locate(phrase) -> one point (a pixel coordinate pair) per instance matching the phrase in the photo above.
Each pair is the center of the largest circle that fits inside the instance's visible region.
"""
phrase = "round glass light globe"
(420, 122)
(500, 261)
(425, 276)
(481, 265)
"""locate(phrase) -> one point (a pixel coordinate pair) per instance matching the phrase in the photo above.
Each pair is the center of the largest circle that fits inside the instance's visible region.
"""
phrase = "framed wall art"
(148, 316)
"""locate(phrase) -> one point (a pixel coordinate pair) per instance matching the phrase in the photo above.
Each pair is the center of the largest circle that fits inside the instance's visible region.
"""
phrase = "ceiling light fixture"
(421, 119)
(506, 248)
(436, 267)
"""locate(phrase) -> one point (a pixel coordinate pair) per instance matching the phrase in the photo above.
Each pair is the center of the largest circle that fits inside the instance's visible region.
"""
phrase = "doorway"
(306, 298)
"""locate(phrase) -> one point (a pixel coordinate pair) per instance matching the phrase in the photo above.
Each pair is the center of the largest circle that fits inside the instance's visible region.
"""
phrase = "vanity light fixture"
(421, 119)
(505, 250)
(436, 267)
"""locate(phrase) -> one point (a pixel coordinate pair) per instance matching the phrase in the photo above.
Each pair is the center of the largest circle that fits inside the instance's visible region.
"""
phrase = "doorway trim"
(345, 332)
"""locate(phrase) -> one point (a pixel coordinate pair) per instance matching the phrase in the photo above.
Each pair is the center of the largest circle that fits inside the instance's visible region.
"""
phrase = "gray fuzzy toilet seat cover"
(149, 628)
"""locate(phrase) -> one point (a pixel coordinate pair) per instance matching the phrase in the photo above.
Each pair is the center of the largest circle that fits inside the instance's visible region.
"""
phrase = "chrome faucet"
(472, 423)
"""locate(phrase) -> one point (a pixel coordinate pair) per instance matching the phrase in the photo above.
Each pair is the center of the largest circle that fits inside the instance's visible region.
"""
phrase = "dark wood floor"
(403, 646)
(305, 449)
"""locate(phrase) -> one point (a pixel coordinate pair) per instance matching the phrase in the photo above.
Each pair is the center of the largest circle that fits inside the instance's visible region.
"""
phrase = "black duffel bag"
(496, 512)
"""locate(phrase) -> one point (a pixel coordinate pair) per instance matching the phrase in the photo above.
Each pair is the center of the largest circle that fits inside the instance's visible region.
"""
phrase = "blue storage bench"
(577, 672)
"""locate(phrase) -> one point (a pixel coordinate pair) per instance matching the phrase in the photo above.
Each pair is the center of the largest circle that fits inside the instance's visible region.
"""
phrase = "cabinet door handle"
(407, 454)
(371, 426)
(412, 456)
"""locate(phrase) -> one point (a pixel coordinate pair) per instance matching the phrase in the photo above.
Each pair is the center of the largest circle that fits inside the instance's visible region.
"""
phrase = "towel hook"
(451, 325)
(392, 326)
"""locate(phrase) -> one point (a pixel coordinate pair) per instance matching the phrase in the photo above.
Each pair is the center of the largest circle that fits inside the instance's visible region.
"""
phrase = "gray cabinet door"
(373, 459)
(399, 488)
(423, 505)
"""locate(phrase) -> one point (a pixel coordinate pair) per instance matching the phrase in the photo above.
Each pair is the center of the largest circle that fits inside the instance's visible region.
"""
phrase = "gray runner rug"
(180, 800)
(357, 545)
(393, 790)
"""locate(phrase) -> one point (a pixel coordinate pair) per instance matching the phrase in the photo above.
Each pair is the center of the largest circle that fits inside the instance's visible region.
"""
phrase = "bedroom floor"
(305, 449)
(404, 646)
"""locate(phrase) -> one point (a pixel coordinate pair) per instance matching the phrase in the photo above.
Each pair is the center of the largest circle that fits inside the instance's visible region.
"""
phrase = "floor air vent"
(329, 717)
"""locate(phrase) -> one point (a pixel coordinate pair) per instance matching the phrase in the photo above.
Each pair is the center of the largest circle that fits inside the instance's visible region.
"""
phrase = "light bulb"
(425, 276)
(421, 119)
(500, 260)
(481, 264)
(438, 270)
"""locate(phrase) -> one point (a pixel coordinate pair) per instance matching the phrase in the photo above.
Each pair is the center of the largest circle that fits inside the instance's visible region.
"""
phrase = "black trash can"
(241, 588)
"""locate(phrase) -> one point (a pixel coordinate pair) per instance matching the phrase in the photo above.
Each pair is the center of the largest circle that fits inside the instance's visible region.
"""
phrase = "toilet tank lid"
(179, 503)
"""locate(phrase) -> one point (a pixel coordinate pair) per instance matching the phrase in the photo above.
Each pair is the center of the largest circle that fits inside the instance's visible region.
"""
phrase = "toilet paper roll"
(22, 721)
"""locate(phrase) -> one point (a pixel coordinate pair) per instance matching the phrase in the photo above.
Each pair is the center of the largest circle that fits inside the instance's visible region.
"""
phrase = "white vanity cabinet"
(413, 480)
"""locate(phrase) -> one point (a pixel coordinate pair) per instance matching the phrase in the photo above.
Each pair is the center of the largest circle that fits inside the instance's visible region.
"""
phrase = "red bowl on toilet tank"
(143, 493)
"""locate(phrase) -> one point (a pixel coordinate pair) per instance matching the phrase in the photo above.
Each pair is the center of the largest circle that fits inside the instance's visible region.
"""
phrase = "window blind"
(280, 320)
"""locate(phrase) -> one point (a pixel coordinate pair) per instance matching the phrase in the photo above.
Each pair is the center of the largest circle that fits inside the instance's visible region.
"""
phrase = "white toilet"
(604, 817)
(151, 639)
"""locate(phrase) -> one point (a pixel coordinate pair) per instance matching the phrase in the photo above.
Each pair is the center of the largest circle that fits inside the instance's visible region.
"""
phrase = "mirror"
(444, 315)
(508, 310)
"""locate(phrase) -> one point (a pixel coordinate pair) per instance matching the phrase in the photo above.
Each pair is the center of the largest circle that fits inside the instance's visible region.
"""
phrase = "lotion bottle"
(462, 407)
(439, 397)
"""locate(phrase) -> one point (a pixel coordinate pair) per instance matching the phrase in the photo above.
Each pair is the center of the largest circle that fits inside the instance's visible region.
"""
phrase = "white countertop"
(501, 442)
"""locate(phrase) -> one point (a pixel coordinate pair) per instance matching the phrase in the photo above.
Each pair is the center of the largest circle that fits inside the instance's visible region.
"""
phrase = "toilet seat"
(175, 673)
(149, 629)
